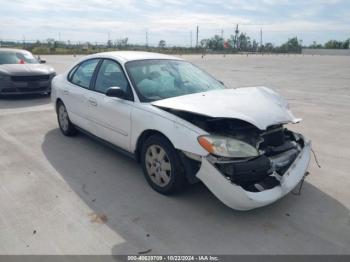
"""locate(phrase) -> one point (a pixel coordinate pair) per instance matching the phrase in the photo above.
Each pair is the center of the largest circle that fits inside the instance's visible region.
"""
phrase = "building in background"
(319, 51)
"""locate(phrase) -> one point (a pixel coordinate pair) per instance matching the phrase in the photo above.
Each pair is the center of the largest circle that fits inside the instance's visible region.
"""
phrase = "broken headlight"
(227, 147)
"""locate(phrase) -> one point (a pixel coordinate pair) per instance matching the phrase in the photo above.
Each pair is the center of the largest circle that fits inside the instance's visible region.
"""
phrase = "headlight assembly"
(227, 147)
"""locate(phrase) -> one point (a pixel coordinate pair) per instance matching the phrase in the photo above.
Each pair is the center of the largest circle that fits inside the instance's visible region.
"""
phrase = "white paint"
(259, 106)
(237, 198)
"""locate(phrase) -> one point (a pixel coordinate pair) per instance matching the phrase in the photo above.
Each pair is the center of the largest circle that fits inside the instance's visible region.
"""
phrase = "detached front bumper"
(236, 197)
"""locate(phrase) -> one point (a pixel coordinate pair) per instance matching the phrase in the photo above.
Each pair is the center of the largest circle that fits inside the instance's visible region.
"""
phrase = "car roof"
(12, 50)
(126, 56)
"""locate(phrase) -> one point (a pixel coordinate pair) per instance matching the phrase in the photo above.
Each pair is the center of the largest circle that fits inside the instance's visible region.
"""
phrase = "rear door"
(111, 117)
(76, 92)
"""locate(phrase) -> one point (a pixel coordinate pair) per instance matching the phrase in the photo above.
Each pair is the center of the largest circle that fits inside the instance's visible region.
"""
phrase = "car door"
(111, 117)
(76, 92)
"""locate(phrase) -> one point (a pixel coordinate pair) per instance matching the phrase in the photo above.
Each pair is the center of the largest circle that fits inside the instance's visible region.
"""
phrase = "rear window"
(17, 58)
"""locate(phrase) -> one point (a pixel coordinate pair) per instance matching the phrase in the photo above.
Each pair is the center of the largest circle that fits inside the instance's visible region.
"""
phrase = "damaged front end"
(252, 159)
(278, 149)
(268, 165)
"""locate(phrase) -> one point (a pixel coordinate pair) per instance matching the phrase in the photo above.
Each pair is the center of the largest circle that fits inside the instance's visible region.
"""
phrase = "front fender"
(181, 136)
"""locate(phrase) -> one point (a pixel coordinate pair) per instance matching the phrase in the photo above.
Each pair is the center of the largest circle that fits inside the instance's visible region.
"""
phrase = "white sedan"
(183, 125)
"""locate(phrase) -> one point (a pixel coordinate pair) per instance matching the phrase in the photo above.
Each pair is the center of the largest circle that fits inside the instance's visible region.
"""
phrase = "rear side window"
(110, 75)
(71, 73)
(83, 74)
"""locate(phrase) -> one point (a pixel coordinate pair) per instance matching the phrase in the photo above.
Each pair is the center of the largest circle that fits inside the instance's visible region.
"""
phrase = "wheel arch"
(58, 100)
(143, 137)
(189, 166)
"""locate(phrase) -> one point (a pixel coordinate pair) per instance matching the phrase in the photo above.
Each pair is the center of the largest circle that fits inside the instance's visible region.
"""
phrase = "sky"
(174, 21)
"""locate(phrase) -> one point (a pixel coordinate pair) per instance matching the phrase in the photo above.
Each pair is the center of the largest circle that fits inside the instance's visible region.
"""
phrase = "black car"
(22, 73)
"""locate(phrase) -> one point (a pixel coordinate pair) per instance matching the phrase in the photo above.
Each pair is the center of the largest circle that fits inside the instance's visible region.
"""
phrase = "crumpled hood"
(259, 106)
(26, 69)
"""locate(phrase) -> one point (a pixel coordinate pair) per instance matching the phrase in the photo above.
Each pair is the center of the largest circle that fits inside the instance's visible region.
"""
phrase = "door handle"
(92, 101)
(66, 92)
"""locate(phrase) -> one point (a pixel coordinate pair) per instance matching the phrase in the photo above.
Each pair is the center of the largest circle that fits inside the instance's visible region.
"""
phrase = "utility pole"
(146, 37)
(236, 37)
(191, 38)
(197, 36)
(261, 38)
(222, 33)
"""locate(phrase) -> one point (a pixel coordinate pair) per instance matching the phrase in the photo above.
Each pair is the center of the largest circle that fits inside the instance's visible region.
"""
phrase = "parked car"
(183, 125)
(22, 73)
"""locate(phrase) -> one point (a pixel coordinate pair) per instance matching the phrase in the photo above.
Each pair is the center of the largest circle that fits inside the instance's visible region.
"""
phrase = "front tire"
(162, 166)
(66, 126)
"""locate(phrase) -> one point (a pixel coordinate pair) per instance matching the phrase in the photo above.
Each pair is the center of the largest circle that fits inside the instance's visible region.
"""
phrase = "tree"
(37, 43)
(268, 47)
(292, 45)
(243, 42)
(109, 43)
(333, 44)
(50, 42)
(214, 43)
(346, 44)
(123, 42)
(315, 45)
(255, 46)
(162, 44)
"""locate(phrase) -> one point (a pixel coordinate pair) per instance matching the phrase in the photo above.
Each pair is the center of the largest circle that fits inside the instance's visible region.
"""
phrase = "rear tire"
(66, 126)
(162, 166)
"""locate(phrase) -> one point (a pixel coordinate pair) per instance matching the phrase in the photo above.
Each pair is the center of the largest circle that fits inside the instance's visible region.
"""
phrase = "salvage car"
(183, 125)
(22, 73)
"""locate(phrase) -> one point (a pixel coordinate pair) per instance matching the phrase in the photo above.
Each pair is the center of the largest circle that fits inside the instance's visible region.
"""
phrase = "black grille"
(32, 89)
(246, 172)
(8, 90)
(30, 78)
(274, 138)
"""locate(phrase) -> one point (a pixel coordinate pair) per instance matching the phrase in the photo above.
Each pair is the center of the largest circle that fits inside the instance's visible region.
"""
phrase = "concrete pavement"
(62, 195)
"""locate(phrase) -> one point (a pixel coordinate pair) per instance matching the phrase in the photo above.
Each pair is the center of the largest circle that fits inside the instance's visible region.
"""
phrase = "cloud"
(174, 19)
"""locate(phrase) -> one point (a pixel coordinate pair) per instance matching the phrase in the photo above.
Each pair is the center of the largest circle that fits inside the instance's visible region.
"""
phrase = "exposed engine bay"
(278, 148)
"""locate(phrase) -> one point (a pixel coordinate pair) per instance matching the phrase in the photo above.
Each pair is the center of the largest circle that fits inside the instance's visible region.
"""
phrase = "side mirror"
(115, 92)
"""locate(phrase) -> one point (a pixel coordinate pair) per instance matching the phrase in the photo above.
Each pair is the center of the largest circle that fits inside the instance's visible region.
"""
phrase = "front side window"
(83, 74)
(160, 79)
(110, 75)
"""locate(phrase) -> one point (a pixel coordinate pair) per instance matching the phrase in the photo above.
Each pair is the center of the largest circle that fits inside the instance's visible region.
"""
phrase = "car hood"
(26, 69)
(259, 106)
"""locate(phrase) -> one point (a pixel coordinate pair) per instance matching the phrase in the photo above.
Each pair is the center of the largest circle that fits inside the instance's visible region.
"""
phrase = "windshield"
(17, 58)
(160, 79)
